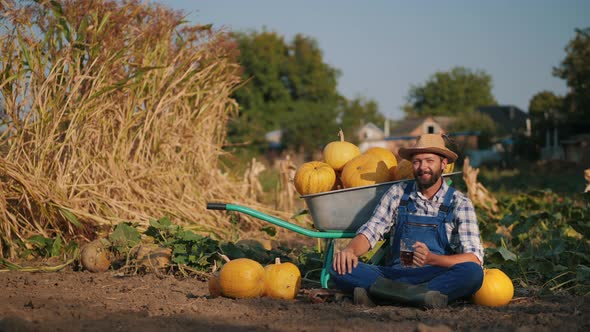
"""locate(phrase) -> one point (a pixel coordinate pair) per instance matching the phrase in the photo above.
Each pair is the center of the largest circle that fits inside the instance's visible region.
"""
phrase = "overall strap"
(445, 211)
(405, 204)
(402, 210)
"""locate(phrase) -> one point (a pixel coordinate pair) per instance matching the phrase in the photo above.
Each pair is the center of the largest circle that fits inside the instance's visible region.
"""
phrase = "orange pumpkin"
(242, 278)
(387, 156)
(213, 284)
(449, 169)
(283, 280)
(314, 177)
(497, 289)
(338, 153)
(364, 170)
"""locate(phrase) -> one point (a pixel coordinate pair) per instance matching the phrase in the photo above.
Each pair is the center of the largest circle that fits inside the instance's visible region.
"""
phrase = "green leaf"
(179, 248)
(180, 259)
(583, 273)
(189, 236)
(124, 237)
(232, 251)
(57, 246)
(300, 213)
(81, 33)
(70, 217)
(270, 230)
(507, 254)
(39, 241)
(9, 265)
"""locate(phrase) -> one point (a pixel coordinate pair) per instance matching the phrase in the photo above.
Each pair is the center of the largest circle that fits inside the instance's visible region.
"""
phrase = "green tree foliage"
(575, 70)
(545, 102)
(288, 86)
(451, 93)
(356, 113)
(475, 121)
(546, 110)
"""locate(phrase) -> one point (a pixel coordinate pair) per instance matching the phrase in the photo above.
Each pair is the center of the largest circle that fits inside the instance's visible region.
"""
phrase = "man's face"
(428, 168)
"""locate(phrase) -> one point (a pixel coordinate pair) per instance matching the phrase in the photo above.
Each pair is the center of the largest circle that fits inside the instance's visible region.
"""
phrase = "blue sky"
(383, 47)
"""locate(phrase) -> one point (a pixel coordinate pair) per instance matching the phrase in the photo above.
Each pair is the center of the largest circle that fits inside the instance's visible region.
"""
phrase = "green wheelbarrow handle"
(281, 222)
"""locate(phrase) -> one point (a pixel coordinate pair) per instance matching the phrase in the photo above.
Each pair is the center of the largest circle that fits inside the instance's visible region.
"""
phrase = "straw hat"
(429, 143)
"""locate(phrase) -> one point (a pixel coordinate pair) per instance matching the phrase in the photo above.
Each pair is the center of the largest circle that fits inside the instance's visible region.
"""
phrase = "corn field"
(111, 111)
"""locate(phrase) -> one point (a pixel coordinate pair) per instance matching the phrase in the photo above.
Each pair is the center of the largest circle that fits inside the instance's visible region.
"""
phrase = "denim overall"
(458, 281)
(428, 230)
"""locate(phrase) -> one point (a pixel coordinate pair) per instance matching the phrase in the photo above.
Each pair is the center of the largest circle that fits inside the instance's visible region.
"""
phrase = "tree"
(575, 70)
(546, 110)
(356, 113)
(545, 102)
(451, 93)
(475, 121)
(288, 86)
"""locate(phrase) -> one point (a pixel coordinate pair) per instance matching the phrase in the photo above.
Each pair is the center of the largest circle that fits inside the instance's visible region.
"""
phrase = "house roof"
(507, 117)
(407, 126)
(371, 126)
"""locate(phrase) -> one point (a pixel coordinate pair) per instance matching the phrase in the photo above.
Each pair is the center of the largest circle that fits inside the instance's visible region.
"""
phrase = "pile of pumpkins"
(344, 166)
(245, 278)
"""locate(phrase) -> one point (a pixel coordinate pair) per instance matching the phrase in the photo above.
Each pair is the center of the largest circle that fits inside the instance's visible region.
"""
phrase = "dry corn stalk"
(477, 193)
(252, 186)
(110, 112)
(286, 191)
(587, 177)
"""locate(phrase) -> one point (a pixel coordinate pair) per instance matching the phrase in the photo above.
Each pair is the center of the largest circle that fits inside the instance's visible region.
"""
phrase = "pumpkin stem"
(277, 261)
(341, 134)
(224, 257)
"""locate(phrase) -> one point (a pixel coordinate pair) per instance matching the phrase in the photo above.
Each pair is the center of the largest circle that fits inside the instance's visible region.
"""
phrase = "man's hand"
(345, 261)
(421, 254)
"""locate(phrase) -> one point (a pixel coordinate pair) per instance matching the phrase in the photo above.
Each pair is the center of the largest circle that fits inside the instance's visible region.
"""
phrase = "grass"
(534, 176)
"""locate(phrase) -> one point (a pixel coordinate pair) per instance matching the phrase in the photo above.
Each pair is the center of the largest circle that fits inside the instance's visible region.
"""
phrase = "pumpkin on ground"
(404, 170)
(497, 289)
(213, 285)
(387, 156)
(283, 280)
(338, 153)
(95, 256)
(314, 177)
(153, 256)
(364, 170)
(242, 278)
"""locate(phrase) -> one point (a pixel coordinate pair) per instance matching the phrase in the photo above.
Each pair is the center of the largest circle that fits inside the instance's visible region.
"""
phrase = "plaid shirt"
(462, 232)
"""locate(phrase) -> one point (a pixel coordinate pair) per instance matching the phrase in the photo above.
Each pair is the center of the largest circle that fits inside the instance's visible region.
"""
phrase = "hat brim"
(407, 153)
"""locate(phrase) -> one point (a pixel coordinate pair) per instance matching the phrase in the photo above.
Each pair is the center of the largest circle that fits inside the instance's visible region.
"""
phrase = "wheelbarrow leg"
(329, 256)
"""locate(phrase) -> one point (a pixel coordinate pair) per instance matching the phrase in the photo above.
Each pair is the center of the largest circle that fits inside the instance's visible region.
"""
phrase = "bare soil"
(82, 301)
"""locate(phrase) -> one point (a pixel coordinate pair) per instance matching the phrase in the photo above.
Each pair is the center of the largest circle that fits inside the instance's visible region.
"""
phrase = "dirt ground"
(82, 301)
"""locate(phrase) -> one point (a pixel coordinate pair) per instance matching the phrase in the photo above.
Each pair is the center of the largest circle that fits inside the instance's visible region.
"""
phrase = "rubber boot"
(360, 297)
(394, 292)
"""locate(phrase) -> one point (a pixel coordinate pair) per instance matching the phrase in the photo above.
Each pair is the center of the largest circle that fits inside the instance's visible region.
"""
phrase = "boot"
(395, 292)
(360, 297)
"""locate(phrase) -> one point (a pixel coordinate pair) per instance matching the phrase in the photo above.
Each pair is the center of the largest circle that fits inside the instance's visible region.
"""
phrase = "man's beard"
(427, 183)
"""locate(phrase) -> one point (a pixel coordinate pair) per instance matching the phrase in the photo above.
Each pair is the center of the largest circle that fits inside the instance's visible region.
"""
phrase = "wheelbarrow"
(336, 215)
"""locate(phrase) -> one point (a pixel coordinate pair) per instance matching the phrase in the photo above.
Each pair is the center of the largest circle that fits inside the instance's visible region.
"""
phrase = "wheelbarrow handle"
(217, 206)
(280, 222)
